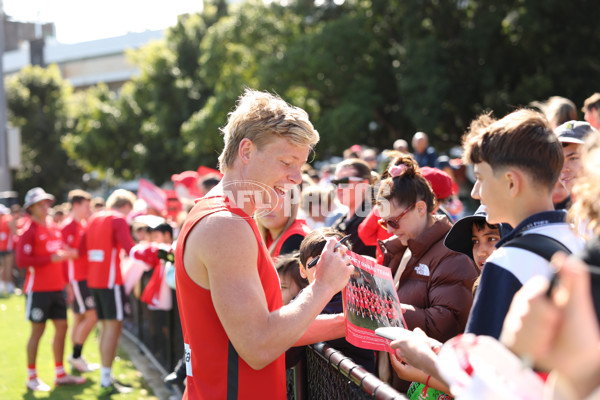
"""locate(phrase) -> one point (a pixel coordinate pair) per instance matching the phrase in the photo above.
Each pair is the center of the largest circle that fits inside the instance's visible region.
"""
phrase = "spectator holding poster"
(433, 282)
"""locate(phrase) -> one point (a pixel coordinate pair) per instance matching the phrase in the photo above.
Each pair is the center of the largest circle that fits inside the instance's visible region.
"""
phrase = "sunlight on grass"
(14, 331)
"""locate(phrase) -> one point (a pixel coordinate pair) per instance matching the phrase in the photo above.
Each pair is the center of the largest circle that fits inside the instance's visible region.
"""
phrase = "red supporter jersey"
(299, 227)
(106, 235)
(72, 232)
(6, 235)
(34, 252)
(214, 369)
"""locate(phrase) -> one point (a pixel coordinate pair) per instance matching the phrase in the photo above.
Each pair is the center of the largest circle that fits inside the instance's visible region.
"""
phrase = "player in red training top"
(235, 328)
(40, 250)
(84, 311)
(106, 237)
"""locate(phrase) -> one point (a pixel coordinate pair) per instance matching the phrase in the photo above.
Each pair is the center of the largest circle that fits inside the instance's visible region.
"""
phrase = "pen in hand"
(315, 260)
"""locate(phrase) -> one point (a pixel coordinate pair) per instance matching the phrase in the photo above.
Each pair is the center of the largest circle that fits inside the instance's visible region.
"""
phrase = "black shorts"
(110, 303)
(41, 306)
(82, 297)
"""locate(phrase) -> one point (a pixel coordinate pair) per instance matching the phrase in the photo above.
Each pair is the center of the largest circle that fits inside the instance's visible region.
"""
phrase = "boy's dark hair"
(482, 223)
(521, 139)
(313, 244)
(289, 264)
(77, 196)
(163, 228)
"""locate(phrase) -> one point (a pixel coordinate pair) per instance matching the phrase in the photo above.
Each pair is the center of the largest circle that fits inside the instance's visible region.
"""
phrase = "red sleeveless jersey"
(214, 369)
(299, 227)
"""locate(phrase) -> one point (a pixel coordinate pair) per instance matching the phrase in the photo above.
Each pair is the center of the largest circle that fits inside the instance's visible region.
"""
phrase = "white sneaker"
(81, 365)
(69, 380)
(37, 385)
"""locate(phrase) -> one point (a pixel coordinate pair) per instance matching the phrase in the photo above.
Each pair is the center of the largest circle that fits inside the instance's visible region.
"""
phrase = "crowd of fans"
(460, 271)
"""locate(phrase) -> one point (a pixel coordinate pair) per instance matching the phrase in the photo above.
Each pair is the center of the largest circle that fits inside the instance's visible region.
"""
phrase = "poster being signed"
(370, 302)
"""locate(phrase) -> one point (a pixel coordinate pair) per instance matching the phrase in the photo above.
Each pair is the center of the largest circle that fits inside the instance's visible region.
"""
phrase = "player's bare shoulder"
(216, 241)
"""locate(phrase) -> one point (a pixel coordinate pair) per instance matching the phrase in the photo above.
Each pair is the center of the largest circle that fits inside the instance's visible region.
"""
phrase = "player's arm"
(325, 327)
(221, 254)
(24, 251)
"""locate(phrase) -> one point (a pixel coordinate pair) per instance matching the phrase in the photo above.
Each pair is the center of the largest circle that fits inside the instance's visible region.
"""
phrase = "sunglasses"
(346, 180)
(393, 222)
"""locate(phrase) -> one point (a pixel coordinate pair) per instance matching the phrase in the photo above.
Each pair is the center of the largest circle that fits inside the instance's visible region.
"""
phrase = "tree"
(368, 71)
(105, 137)
(139, 132)
(38, 103)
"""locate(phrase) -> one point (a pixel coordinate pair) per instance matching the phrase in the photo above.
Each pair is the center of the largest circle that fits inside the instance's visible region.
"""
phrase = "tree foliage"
(38, 103)
(367, 71)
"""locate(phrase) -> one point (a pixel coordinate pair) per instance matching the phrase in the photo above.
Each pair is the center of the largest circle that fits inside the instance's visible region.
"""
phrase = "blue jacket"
(509, 268)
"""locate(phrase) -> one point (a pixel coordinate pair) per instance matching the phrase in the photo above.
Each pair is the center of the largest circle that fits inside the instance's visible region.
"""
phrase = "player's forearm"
(283, 328)
(324, 327)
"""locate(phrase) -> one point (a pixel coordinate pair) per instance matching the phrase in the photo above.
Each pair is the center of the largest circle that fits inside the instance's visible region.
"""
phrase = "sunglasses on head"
(393, 222)
(346, 180)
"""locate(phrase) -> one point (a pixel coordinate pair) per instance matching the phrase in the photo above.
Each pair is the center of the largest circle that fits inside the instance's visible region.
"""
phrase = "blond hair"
(77, 196)
(260, 116)
(586, 191)
(120, 198)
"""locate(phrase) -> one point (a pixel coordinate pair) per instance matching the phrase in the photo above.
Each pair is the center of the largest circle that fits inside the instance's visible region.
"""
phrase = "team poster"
(370, 302)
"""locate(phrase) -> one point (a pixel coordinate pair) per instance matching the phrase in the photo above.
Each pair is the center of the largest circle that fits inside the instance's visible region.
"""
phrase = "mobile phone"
(392, 332)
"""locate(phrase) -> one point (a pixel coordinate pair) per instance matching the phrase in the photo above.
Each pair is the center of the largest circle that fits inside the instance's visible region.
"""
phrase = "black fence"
(159, 331)
(324, 374)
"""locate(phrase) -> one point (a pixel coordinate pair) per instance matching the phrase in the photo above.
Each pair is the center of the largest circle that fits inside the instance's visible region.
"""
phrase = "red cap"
(187, 182)
(440, 182)
(187, 178)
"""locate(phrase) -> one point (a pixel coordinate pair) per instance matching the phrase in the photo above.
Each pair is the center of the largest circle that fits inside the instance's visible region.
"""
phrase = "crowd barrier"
(158, 331)
(323, 374)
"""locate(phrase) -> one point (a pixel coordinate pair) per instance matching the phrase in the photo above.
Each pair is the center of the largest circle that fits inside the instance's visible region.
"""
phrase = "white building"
(88, 63)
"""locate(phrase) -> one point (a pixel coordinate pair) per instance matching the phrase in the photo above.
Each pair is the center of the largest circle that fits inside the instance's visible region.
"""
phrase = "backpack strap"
(542, 245)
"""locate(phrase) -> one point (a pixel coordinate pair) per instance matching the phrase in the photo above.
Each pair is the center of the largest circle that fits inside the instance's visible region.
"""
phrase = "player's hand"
(70, 295)
(60, 255)
(334, 268)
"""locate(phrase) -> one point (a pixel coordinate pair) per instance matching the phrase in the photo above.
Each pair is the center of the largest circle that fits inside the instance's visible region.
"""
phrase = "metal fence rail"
(332, 375)
(323, 374)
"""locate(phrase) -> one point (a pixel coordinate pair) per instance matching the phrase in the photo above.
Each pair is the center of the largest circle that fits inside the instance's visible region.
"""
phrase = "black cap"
(459, 236)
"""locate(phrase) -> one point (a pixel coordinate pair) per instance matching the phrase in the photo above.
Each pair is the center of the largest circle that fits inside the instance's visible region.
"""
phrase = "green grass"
(14, 333)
